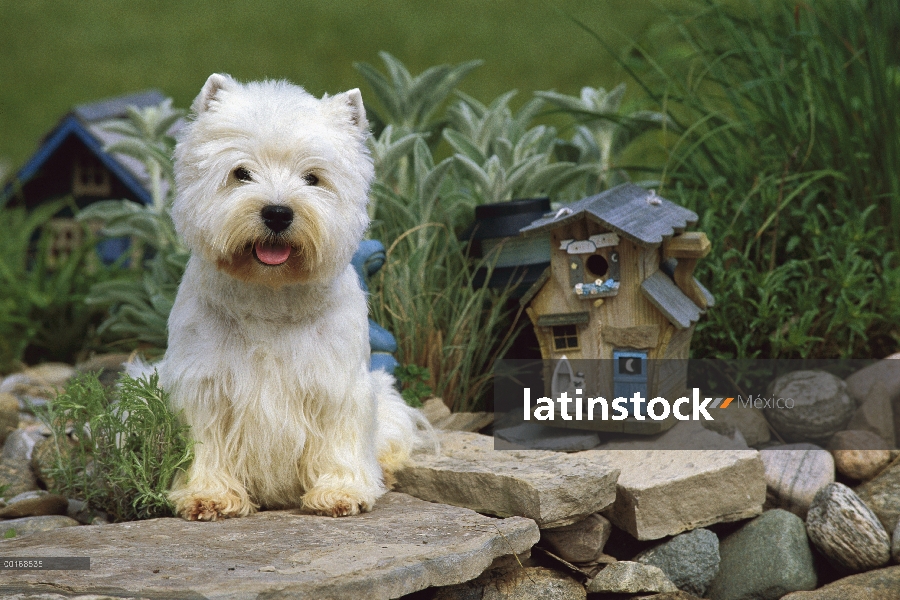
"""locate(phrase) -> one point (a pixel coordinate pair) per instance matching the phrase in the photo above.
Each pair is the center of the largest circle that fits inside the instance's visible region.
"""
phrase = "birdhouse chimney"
(688, 248)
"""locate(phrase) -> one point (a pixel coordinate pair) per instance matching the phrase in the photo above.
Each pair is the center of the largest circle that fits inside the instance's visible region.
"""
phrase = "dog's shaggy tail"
(136, 367)
(401, 428)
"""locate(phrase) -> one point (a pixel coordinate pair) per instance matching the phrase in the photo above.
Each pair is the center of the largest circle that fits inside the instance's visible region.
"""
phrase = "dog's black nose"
(276, 217)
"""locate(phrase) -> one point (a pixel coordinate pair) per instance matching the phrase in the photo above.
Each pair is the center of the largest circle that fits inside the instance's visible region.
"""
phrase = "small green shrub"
(414, 380)
(117, 450)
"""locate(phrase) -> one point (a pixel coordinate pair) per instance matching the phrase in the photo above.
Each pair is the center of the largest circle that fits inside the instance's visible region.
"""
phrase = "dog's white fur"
(270, 363)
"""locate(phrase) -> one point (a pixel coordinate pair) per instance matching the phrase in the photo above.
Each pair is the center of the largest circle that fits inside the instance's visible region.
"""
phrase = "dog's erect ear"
(352, 100)
(213, 86)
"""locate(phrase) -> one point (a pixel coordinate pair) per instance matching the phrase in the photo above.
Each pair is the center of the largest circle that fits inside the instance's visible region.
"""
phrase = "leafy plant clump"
(414, 380)
(118, 451)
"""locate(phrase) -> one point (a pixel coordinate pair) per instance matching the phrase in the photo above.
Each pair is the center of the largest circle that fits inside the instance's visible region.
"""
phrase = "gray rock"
(20, 443)
(552, 488)
(684, 435)
(858, 454)
(16, 476)
(44, 458)
(11, 383)
(764, 560)
(541, 437)
(54, 374)
(876, 414)
(748, 420)
(690, 560)
(794, 474)
(39, 383)
(35, 503)
(84, 514)
(9, 415)
(439, 415)
(580, 542)
(821, 407)
(626, 577)
(435, 409)
(679, 595)
(530, 583)
(882, 495)
(883, 584)
(665, 492)
(16, 528)
(402, 546)
(108, 366)
(846, 530)
(884, 373)
(466, 421)
(895, 544)
(53, 596)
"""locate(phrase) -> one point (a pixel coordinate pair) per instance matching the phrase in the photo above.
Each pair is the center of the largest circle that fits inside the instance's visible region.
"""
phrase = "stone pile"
(754, 519)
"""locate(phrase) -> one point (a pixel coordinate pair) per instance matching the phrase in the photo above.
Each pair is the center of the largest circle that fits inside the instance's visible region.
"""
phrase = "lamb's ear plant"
(602, 133)
(118, 450)
(408, 102)
(139, 307)
(500, 156)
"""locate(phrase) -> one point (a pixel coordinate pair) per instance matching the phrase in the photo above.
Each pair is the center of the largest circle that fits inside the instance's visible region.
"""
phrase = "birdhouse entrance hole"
(597, 265)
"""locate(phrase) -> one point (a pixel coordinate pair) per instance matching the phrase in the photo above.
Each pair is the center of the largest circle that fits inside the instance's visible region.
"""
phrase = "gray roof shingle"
(671, 301)
(631, 211)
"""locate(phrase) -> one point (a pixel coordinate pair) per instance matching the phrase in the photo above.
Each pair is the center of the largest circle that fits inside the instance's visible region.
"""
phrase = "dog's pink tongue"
(272, 254)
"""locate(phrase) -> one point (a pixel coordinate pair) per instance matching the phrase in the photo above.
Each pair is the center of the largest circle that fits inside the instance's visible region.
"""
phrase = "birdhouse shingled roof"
(631, 211)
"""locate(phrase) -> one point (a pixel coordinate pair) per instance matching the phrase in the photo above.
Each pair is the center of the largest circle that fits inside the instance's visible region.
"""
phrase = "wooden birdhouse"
(620, 288)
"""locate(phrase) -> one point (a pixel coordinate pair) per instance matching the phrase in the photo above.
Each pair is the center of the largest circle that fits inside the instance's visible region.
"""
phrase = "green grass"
(56, 54)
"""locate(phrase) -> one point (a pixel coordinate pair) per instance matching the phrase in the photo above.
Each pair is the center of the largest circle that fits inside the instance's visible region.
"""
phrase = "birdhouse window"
(565, 337)
(90, 178)
(67, 236)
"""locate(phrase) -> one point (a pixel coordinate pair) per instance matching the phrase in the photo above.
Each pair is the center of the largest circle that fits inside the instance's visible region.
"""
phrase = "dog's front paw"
(209, 507)
(336, 503)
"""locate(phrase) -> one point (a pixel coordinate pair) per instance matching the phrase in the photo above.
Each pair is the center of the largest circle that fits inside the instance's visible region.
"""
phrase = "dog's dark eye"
(242, 174)
(311, 179)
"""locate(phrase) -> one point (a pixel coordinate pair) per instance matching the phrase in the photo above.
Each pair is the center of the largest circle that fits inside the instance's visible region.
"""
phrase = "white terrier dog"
(268, 339)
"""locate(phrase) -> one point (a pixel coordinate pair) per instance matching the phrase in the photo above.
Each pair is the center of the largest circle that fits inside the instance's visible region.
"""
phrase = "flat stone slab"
(552, 488)
(882, 584)
(540, 437)
(402, 546)
(665, 492)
